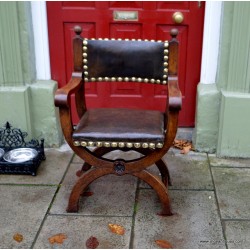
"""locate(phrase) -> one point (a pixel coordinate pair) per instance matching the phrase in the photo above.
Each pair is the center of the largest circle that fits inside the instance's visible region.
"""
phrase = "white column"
(40, 29)
(211, 42)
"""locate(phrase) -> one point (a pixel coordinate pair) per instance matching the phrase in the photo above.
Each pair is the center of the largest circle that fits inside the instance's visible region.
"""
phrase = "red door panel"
(154, 22)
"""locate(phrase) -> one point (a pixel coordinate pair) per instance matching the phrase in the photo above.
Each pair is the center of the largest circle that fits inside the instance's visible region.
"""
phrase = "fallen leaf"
(92, 243)
(184, 145)
(18, 237)
(58, 238)
(117, 229)
(186, 149)
(164, 244)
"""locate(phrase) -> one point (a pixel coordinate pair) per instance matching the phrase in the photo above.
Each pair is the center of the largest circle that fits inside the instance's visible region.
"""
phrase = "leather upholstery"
(121, 125)
(113, 58)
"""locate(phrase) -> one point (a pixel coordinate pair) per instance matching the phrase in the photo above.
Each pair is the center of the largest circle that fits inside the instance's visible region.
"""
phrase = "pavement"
(210, 199)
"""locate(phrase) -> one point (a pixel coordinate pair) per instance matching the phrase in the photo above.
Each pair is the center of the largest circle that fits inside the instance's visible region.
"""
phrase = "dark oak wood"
(102, 166)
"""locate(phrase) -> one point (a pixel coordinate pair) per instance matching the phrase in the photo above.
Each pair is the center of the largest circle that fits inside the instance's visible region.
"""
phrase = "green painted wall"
(25, 102)
(225, 127)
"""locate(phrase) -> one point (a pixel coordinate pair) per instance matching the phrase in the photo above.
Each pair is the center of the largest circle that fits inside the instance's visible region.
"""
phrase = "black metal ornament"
(13, 138)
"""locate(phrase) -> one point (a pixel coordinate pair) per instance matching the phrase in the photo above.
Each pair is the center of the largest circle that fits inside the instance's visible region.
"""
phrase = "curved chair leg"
(160, 189)
(86, 166)
(165, 176)
(162, 166)
(83, 183)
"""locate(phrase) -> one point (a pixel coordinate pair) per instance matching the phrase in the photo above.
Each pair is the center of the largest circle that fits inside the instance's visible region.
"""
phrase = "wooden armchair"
(148, 132)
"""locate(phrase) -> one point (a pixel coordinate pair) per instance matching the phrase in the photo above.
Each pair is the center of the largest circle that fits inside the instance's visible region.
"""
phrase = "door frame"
(210, 43)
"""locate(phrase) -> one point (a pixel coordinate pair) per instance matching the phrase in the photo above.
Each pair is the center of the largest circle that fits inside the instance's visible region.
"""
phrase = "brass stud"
(166, 44)
(76, 143)
(121, 144)
(114, 144)
(152, 80)
(145, 145)
(158, 81)
(139, 40)
(133, 79)
(85, 42)
(91, 144)
(152, 40)
(106, 144)
(85, 61)
(126, 79)
(146, 40)
(120, 79)
(105, 39)
(126, 39)
(165, 76)
(165, 64)
(113, 79)
(165, 58)
(92, 38)
(119, 39)
(84, 48)
(146, 80)
(165, 51)
(165, 70)
(139, 79)
(106, 79)
(83, 143)
(86, 73)
(137, 145)
(151, 145)
(86, 79)
(159, 41)
(85, 55)
(133, 39)
(100, 39)
(129, 144)
(100, 79)
(85, 67)
(112, 39)
(164, 82)
(99, 144)
(93, 79)
(159, 145)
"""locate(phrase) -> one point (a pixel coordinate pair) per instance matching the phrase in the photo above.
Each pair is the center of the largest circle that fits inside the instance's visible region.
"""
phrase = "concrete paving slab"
(112, 195)
(190, 171)
(50, 172)
(238, 234)
(228, 162)
(22, 211)
(196, 222)
(78, 229)
(232, 186)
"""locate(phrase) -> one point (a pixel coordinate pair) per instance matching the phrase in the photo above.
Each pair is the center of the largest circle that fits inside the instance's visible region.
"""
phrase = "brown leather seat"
(150, 133)
(117, 127)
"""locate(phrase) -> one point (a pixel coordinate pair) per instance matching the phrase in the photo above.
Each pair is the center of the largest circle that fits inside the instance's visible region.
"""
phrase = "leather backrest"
(121, 60)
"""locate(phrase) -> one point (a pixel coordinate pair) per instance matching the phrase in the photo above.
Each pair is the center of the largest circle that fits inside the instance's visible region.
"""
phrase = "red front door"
(129, 19)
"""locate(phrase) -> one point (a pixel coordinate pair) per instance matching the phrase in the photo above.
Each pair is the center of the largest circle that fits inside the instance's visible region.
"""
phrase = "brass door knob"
(178, 17)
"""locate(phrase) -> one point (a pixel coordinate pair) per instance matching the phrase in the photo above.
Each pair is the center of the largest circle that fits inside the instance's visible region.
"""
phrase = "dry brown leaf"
(92, 243)
(184, 145)
(18, 237)
(57, 238)
(164, 244)
(186, 149)
(117, 229)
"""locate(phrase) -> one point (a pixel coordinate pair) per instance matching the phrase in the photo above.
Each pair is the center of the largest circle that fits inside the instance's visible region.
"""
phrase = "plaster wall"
(25, 101)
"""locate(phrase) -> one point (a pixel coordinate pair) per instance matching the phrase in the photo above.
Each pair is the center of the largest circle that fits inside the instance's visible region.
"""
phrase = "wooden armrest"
(62, 96)
(174, 95)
